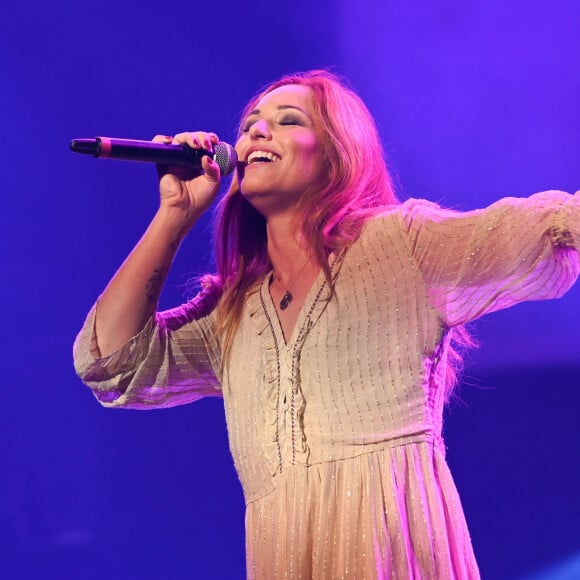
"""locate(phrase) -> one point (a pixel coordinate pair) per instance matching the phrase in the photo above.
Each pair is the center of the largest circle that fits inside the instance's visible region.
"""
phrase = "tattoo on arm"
(154, 285)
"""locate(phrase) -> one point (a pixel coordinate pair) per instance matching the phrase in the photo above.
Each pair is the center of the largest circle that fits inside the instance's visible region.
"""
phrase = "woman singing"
(332, 328)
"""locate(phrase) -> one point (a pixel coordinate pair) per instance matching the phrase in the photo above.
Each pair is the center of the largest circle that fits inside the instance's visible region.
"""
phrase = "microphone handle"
(143, 151)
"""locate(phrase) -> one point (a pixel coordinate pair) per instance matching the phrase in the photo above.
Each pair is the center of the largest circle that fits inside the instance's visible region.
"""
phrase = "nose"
(260, 130)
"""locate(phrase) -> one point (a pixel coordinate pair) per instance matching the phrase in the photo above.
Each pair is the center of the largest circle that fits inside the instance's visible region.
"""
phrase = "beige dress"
(336, 434)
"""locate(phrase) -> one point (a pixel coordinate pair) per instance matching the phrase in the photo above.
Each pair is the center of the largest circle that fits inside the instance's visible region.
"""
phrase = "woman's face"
(279, 150)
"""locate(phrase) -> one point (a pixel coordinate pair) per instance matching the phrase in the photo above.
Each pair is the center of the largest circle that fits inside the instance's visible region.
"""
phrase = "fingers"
(211, 169)
(162, 139)
(197, 140)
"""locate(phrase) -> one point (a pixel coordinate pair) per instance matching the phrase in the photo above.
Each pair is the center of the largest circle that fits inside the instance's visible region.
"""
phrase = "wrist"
(175, 222)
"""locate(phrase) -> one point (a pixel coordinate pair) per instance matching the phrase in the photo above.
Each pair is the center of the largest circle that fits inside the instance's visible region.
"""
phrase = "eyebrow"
(282, 108)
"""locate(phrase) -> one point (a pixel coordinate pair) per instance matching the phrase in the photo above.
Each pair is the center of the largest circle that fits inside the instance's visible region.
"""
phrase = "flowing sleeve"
(480, 261)
(174, 360)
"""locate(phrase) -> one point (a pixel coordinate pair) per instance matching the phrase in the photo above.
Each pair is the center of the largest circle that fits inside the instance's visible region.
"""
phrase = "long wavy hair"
(357, 187)
(330, 216)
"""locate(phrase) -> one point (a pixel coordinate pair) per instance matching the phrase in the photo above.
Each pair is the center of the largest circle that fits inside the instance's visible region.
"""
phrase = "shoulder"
(399, 216)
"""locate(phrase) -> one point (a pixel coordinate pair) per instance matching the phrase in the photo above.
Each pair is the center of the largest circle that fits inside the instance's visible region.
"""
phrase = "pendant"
(286, 299)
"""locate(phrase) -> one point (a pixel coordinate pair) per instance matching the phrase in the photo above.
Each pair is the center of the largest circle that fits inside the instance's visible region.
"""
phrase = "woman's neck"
(288, 252)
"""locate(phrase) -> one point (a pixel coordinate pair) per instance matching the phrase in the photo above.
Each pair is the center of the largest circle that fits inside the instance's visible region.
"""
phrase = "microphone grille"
(226, 157)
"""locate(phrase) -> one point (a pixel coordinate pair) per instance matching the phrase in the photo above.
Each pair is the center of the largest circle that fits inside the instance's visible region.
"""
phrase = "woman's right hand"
(186, 193)
(132, 294)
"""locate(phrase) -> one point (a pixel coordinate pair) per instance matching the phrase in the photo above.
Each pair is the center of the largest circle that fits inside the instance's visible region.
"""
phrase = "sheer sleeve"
(484, 260)
(174, 360)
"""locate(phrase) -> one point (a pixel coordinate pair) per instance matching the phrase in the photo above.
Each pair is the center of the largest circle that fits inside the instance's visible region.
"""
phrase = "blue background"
(475, 101)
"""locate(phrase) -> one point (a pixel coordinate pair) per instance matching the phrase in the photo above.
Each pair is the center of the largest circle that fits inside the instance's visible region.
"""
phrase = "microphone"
(150, 152)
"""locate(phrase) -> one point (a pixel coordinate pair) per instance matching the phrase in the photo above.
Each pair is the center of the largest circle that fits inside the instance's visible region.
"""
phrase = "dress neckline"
(319, 293)
(272, 312)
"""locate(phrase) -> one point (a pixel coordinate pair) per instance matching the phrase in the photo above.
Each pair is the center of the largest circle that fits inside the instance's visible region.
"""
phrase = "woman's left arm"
(484, 260)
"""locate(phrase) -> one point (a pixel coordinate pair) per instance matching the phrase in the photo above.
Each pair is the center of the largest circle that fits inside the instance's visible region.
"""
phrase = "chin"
(254, 193)
(251, 188)
(268, 203)
(258, 199)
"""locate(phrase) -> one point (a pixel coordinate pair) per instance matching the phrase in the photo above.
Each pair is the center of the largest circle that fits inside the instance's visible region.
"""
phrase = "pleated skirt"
(393, 513)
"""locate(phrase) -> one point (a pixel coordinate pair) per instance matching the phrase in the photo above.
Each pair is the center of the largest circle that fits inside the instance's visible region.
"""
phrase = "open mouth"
(262, 157)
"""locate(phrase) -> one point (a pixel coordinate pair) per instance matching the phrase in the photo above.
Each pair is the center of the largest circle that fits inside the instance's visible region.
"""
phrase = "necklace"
(288, 297)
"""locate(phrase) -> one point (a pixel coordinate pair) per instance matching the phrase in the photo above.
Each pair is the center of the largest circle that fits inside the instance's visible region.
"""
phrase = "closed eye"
(284, 118)
(247, 126)
(290, 120)
(285, 121)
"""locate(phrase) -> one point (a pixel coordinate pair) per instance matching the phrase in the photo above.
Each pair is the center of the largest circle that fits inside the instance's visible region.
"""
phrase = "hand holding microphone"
(190, 167)
(194, 186)
(162, 150)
